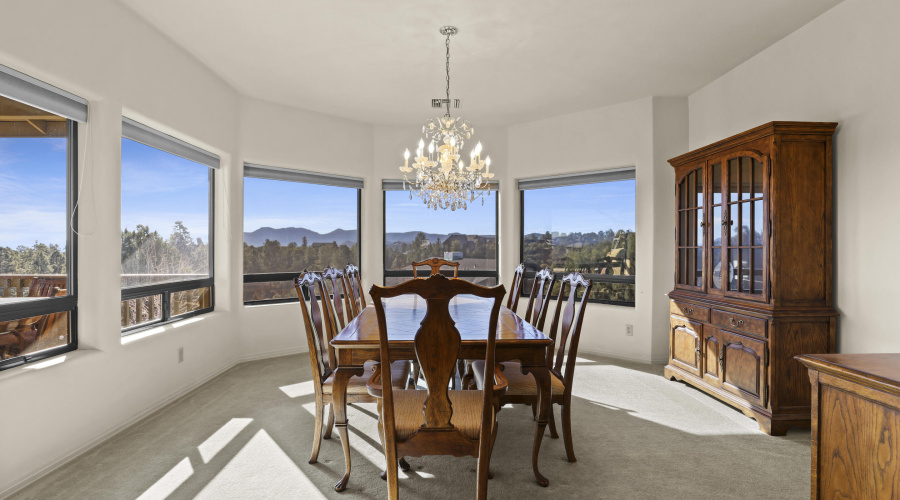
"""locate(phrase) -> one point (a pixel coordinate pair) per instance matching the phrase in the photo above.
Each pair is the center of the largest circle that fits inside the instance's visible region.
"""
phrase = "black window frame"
(51, 305)
(165, 290)
(402, 273)
(303, 177)
(573, 180)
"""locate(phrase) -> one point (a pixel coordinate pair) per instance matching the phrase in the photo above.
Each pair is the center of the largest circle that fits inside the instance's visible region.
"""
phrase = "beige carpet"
(248, 434)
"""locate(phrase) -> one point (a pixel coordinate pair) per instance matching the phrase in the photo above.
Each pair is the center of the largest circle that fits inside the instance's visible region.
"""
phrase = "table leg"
(542, 377)
(341, 377)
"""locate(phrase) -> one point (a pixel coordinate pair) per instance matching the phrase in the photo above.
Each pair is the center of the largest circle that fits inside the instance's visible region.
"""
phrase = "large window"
(167, 228)
(295, 220)
(37, 245)
(582, 223)
(414, 232)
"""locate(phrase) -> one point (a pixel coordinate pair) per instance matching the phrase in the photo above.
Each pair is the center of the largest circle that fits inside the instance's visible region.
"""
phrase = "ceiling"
(512, 61)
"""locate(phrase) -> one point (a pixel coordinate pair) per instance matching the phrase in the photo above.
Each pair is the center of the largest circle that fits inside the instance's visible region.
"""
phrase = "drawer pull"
(691, 310)
(739, 322)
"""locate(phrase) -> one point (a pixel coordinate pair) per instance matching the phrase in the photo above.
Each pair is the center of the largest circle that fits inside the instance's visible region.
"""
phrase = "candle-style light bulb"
(487, 162)
(431, 148)
(472, 153)
(421, 144)
(461, 165)
(406, 154)
(478, 148)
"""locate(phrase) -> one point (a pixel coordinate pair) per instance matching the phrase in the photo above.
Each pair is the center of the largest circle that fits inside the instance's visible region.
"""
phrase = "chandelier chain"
(448, 74)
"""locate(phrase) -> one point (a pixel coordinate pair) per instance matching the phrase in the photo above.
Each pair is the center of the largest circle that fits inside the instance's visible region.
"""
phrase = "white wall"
(840, 67)
(101, 51)
(635, 133)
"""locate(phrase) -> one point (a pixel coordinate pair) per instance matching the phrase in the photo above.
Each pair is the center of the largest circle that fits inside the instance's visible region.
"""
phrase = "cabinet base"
(774, 425)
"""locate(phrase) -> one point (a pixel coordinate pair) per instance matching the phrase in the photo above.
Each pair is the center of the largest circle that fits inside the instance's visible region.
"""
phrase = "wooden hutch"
(753, 269)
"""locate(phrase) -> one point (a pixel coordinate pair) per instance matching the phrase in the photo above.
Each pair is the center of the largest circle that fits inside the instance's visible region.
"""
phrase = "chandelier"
(441, 179)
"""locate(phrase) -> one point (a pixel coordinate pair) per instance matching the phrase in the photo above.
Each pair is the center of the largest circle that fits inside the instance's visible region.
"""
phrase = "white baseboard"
(271, 354)
(41, 471)
(642, 359)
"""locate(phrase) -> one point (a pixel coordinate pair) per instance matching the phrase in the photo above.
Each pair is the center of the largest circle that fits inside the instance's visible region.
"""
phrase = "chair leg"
(317, 435)
(390, 456)
(404, 465)
(330, 426)
(381, 436)
(468, 380)
(414, 378)
(567, 430)
(484, 465)
(534, 410)
(552, 422)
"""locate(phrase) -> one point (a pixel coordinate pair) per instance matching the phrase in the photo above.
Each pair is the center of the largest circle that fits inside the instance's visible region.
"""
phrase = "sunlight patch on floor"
(299, 389)
(169, 482)
(220, 439)
(261, 465)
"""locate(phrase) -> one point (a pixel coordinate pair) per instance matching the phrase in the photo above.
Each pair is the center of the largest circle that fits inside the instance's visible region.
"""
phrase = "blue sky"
(403, 214)
(586, 208)
(159, 188)
(277, 204)
(33, 187)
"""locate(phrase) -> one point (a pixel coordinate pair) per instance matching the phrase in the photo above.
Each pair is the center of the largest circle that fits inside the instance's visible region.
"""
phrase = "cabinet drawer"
(746, 324)
(689, 311)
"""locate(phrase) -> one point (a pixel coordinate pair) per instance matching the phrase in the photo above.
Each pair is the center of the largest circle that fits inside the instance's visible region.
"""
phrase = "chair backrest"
(354, 285)
(569, 322)
(436, 343)
(436, 264)
(318, 322)
(539, 299)
(336, 287)
(515, 290)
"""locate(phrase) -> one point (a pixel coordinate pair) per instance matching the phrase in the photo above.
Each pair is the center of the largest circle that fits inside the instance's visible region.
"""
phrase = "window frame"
(52, 305)
(302, 177)
(166, 289)
(574, 180)
(402, 273)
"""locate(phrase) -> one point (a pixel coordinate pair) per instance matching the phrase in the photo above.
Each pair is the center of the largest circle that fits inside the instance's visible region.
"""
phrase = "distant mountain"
(287, 235)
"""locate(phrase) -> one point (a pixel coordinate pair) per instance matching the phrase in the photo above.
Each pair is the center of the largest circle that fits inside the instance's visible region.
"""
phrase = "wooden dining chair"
(320, 330)
(336, 288)
(565, 329)
(438, 421)
(354, 285)
(538, 301)
(436, 264)
(515, 290)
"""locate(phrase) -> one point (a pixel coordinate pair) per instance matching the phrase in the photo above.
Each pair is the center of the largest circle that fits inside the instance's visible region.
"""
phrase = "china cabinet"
(753, 269)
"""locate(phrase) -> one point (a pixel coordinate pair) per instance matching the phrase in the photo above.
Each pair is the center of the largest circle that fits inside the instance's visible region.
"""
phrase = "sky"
(586, 208)
(33, 187)
(402, 215)
(277, 204)
(159, 188)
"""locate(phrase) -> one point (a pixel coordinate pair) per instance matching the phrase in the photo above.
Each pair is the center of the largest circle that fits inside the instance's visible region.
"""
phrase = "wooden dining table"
(516, 340)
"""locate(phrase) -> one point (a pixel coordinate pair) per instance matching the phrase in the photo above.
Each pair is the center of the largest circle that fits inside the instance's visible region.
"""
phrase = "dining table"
(517, 340)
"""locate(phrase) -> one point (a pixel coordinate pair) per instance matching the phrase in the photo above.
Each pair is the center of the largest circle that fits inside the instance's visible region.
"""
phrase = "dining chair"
(438, 421)
(336, 288)
(536, 312)
(515, 290)
(565, 329)
(436, 264)
(354, 285)
(320, 330)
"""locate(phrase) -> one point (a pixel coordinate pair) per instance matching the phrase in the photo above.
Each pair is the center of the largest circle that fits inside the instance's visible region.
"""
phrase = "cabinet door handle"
(691, 310)
(702, 224)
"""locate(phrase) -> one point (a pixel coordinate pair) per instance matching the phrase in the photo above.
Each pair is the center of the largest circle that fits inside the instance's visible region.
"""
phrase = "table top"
(881, 368)
(471, 314)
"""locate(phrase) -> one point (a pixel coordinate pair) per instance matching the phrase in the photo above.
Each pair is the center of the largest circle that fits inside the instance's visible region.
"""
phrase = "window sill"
(64, 359)
(154, 329)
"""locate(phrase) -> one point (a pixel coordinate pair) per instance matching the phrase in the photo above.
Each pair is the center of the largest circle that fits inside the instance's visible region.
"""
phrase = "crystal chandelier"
(441, 179)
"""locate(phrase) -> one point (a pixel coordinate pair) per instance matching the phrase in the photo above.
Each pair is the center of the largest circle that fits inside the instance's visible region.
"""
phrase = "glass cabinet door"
(690, 227)
(744, 224)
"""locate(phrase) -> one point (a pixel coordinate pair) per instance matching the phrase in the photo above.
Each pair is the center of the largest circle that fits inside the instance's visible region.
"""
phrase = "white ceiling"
(512, 61)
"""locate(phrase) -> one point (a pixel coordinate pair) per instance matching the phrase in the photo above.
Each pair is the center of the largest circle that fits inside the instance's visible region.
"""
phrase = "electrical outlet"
(629, 330)
(180, 354)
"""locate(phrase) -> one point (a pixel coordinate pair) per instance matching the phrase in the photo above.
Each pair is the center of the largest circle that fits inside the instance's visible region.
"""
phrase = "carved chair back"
(437, 344)
(539, 300)
(336, 287)
(515, 290)
(436, 264)
(354, 286)
(566, 326)
(318, 323)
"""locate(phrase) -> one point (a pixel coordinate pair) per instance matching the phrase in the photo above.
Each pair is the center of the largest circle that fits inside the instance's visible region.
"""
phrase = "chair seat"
(357, 383)
(519, 384)
(409, 416)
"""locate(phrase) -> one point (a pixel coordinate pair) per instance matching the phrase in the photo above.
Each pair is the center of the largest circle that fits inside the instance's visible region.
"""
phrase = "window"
(413, 232)
(584, 223)
(38, 167)
(167, 228)
(296, 220)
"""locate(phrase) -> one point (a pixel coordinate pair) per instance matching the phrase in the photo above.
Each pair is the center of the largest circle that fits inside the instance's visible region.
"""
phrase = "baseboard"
(271, 354)
(642, 360)
(41, 471)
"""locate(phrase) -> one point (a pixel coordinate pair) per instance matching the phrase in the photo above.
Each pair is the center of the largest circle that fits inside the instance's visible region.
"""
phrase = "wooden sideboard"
(855, 425)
